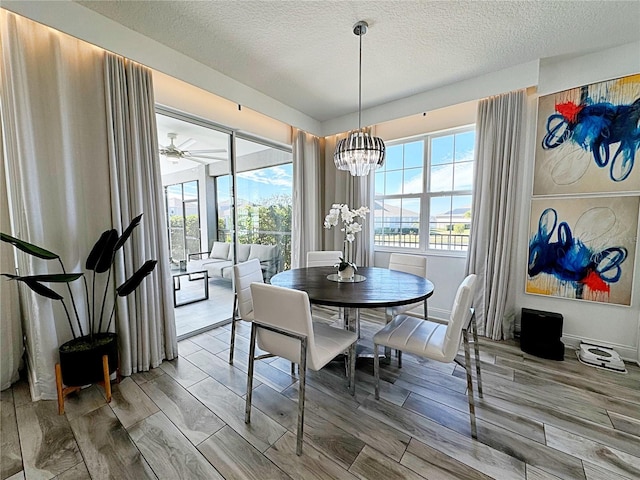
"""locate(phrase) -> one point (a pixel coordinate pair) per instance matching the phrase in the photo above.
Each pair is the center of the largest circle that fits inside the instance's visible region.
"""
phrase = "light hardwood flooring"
(538, 420)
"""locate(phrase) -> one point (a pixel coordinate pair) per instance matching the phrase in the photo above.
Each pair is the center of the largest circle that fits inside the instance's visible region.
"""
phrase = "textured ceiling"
(304, 53)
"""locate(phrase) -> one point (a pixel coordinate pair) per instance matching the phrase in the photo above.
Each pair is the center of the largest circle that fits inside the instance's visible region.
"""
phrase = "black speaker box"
(540, 334)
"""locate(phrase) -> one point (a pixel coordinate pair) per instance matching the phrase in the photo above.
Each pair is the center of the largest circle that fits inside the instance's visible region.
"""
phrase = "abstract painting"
(583, 248)
(588, 139)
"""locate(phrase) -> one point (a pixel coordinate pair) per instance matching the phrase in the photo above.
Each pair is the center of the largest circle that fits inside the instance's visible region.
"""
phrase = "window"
(426, 181)
(264, 199)
(183, 215)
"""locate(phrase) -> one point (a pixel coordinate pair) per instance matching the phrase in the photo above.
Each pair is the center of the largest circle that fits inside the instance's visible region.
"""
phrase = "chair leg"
(376, 370)
(399, 353)
(352, 368)
(476, 347)
(233, 329)
(467, 367)
(293, 369)
(302, 369)
(387, 318)
(252, 359)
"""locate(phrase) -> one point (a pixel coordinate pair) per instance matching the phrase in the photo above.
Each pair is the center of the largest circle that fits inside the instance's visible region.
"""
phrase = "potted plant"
(346, 270)
(81, 357)
(341, 212)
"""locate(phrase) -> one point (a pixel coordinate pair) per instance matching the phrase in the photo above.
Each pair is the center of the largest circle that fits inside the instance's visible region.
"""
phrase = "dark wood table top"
(382, 288)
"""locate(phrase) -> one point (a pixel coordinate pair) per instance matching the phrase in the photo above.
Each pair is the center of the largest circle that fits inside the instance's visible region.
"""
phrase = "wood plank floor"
(538, 420)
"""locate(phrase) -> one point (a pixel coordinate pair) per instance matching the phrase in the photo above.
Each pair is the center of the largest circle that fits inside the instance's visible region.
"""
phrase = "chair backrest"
(244, 274)
(286, 309)
(460, 312)
(323, 258)
(409, 264)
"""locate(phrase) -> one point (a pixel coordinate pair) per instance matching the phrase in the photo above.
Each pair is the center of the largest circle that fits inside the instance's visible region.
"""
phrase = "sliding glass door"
(228, 200)
(263, 200)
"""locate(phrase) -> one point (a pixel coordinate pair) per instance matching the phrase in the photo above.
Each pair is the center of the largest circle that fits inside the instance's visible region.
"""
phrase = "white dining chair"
(243, 275)
(433, 340)
(323, 258)
(282, 326)
(415, 264)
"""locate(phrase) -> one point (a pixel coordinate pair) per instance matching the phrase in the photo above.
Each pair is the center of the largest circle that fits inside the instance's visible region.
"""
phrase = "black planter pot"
(81, 359)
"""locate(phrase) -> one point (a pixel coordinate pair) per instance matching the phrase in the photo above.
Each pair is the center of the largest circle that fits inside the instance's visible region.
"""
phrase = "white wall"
(611, 325)
(90, 26)
(446, 273)
(187, 98)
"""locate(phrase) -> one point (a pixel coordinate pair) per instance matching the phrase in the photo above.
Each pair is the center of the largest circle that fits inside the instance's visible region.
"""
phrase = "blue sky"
(257, 185)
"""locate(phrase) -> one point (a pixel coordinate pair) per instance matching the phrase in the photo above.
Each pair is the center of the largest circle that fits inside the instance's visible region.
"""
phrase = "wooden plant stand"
(105, 383)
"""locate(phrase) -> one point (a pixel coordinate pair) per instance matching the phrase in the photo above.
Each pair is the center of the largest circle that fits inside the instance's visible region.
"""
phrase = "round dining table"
(381, 287)
(376, 287)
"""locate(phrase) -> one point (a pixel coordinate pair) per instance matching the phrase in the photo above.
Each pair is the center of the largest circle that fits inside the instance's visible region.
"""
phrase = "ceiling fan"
(174, 153)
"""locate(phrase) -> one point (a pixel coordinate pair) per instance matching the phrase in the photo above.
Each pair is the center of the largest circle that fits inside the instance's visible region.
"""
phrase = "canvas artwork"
(583, 248)
(588, 139)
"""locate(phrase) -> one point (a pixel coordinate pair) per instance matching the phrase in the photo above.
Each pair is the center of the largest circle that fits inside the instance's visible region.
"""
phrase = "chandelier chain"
(360, 84)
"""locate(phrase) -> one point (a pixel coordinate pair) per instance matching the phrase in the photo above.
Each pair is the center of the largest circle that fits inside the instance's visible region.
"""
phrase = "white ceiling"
(304, 53)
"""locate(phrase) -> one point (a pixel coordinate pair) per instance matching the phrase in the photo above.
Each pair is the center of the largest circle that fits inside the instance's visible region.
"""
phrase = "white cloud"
(277, 176)
(441, 176)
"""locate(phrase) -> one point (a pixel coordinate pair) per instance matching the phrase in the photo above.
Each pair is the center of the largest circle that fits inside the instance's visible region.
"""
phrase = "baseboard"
(626, 352)
(204, 329)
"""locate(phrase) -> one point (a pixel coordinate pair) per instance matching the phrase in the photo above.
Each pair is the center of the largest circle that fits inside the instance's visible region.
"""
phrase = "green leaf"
(127, 232)
(101, 255)
(49, 278)
(106, 259)
(29, 248)
(132, 283)
(40, 289)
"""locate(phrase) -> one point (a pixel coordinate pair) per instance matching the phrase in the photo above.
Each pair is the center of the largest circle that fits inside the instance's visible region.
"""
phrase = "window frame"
(183, 203)
(426, 195)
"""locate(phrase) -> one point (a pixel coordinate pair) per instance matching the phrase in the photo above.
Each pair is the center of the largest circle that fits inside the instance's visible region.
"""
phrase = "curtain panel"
(308, 218)
(498, 134)
(342, 187)
(11, 344)
(146, 321)
(57, 174)
(72, 166)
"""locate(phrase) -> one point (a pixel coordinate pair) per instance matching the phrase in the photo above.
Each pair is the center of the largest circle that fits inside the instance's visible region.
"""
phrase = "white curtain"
(57, 172)
(308, 218)
(11, 344)
(146, 322)
(342, 187)
(60, 169)
(498, 132)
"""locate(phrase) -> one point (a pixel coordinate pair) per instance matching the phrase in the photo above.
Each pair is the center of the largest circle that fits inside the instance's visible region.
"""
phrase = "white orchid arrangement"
(341, 212)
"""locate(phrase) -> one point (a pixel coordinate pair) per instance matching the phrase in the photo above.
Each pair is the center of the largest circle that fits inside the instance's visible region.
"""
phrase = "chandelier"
(360, 152)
